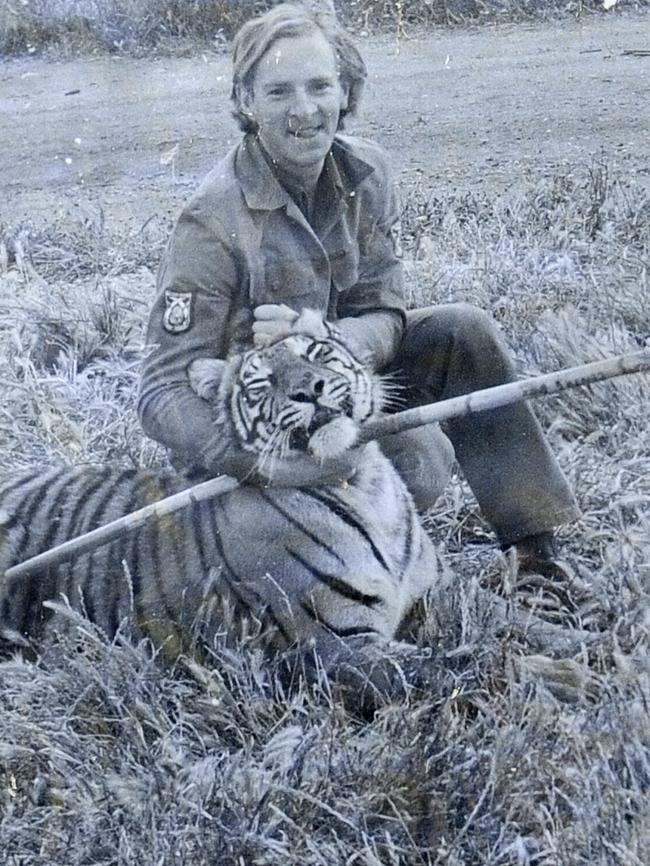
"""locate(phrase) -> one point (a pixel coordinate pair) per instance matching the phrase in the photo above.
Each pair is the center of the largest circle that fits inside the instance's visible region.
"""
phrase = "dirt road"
(463, 107)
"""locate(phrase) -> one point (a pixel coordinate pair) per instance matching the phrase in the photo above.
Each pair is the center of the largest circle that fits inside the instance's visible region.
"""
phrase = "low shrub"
(183, 26)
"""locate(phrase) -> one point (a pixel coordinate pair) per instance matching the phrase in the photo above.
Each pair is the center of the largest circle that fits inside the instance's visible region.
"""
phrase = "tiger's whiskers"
(276, 447)
(392, 394)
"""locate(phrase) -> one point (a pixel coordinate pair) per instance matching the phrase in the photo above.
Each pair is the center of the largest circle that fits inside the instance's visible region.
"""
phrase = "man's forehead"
(310, 54)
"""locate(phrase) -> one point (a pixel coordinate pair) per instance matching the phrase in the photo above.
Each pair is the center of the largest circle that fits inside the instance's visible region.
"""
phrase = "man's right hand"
(302, 470)
(298, 470)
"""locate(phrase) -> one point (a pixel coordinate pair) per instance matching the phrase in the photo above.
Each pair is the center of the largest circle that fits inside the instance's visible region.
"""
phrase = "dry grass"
(107, 757)
(182, 26)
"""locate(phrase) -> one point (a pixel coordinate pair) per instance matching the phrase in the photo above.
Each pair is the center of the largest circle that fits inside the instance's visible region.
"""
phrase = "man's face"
(296, 101)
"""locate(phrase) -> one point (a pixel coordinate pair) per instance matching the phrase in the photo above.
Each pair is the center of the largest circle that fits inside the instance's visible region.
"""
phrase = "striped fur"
(335, 566)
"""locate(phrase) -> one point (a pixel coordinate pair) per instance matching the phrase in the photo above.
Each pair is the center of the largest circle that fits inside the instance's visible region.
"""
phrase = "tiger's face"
(301, 394)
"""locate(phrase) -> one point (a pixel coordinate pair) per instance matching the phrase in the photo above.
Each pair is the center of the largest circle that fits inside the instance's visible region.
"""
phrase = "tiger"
(327, 569)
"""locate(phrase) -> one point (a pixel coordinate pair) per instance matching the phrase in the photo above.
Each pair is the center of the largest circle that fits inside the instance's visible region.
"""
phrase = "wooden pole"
(502, 395)
(456, 407)
(103, 534)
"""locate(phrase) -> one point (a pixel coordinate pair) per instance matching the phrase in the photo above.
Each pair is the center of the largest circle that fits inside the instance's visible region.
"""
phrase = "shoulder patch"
(178, 311)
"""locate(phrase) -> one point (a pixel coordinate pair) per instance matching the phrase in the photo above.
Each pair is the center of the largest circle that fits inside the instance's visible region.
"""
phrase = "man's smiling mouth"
(307, 132)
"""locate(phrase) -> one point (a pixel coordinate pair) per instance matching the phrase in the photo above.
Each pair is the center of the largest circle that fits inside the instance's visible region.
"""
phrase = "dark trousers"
(450, 350)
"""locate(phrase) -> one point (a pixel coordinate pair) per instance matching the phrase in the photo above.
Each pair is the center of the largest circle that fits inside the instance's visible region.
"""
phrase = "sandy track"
(467, 107)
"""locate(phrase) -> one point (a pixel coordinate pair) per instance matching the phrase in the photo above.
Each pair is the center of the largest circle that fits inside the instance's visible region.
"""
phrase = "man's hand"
(272, 322)
(296, 470)
(303, 470)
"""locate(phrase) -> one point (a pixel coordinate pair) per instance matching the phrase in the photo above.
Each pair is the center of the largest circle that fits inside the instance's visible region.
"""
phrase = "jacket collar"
(262, 189)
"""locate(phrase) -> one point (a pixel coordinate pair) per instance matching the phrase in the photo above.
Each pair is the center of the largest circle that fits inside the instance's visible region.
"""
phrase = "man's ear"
(345, 97)
(245, 98)
(206, 375)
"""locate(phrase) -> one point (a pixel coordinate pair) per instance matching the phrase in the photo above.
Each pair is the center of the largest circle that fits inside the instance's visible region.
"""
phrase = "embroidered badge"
(178, 312)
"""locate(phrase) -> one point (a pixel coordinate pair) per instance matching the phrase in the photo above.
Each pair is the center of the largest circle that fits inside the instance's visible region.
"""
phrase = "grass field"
(107, 757)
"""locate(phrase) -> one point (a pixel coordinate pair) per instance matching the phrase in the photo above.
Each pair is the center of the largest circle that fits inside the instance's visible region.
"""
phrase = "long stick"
(502, 395)
(128, 523)
(456, 407)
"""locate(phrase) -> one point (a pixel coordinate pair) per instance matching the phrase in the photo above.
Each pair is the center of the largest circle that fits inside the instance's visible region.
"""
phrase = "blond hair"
(287, 20)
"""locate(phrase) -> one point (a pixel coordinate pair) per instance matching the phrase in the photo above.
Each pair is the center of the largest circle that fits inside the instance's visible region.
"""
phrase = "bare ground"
(485, 106)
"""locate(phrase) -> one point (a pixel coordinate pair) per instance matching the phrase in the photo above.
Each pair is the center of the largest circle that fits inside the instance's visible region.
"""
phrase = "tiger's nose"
(308, 393)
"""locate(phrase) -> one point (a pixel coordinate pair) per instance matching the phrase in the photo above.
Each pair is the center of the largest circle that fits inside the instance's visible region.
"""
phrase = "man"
(298, 215)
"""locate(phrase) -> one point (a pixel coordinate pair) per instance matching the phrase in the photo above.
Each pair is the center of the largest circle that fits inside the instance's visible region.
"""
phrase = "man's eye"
(321, 87)
(277, 91)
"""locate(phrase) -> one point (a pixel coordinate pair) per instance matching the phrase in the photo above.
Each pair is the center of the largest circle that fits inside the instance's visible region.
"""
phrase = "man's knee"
(456, 322)
(424, 458)
(450, 350)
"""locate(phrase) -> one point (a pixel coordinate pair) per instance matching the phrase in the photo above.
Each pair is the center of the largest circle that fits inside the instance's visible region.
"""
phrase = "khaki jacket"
(242, 241)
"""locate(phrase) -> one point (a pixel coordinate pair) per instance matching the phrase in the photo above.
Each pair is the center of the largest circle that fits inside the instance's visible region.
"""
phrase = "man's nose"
(302, 104)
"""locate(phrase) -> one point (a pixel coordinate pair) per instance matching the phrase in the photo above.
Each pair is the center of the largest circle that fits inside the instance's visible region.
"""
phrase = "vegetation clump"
(182, 26)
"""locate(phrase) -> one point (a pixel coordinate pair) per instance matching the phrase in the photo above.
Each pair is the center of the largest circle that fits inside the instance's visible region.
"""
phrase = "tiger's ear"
(206, 375)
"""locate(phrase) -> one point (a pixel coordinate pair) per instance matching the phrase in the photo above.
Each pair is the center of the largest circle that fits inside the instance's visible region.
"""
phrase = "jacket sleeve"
(197, 284)
(372, 312)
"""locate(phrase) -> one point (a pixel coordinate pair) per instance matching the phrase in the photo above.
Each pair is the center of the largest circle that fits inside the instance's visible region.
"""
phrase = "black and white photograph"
(325, 433)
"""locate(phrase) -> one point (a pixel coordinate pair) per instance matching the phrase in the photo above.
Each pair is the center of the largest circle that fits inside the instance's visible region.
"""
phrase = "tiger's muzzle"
(301, 436)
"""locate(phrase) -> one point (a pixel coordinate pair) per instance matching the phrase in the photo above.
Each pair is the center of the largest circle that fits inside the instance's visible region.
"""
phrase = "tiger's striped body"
(334, 566)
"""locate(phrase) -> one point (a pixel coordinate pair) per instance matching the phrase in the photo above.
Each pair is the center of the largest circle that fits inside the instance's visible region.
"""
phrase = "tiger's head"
(305, 393)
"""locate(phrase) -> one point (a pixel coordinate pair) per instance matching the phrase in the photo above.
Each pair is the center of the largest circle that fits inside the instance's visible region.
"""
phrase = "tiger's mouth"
(300, 436)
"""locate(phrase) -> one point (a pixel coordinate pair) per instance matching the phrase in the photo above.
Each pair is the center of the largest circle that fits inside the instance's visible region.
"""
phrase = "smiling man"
(296, 102)
(299, 216)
